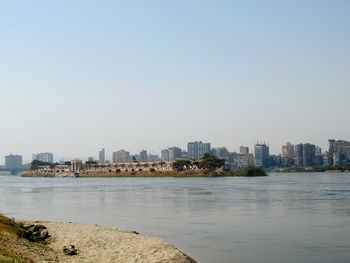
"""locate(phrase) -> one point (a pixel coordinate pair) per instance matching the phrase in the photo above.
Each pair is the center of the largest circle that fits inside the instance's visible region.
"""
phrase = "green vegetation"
(206, 163)
(181, 165)
(14, 245)
(211, 163)
(35, 164)
(213, 166)
(91, 162)
(10, 243)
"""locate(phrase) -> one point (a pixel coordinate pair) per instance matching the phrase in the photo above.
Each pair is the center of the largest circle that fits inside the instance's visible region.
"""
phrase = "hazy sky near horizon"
(76, 76)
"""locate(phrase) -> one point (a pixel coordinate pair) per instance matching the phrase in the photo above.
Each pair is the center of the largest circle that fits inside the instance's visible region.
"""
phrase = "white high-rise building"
(288, 151)
(102, 156)
(121, 156)
(43, 157)
(197, 150)
(261, 155)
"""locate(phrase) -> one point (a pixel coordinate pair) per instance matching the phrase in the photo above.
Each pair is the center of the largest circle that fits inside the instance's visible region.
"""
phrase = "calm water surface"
(279, 218)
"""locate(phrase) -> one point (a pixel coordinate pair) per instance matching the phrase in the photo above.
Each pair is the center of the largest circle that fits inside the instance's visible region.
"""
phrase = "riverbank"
(194, 173)
(93, 243)
(100, 244)
(309, 170)
(245, 172)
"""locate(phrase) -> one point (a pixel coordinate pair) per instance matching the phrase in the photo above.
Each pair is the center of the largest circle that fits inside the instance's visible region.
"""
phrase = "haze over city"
(133, 75)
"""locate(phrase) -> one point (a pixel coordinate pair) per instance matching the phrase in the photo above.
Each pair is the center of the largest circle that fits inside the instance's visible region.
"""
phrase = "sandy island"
(101, 244)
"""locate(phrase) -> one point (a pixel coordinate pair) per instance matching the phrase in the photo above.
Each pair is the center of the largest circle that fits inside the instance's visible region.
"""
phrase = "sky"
(78, 76)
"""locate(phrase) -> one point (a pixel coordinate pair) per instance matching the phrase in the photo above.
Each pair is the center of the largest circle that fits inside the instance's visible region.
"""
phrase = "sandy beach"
(101, 244)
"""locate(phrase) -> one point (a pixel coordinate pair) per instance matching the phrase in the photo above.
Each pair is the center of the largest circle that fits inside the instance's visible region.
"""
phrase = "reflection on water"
(281, 218)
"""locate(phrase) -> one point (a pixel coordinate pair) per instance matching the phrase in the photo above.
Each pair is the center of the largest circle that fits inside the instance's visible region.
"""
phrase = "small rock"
(70, 250)
(39, 227)
(44, 234)
(27, 226)
(135, 232)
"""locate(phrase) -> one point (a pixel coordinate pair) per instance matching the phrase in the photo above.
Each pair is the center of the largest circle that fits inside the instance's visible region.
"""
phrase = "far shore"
(248, 171)
(133, 174)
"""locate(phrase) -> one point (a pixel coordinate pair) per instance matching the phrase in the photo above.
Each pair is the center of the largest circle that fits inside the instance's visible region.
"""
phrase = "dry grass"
(15, 249)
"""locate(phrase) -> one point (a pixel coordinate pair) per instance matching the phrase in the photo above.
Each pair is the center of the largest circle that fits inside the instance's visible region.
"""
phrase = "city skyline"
(108, 155)
(230, 73)
(27, 155)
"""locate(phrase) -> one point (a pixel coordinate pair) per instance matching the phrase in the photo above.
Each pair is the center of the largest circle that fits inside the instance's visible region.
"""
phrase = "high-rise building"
(43, 157)
(261, 155)
(339, 151)
(174, 153)
(243, 150)
(121, 156)
(13, 162)
(143, 156)
(308, 154)
(197, 150)
(318, 151)
(288, 151)
(171, 154)
(298, 154)
(165, 155)
(102, 156)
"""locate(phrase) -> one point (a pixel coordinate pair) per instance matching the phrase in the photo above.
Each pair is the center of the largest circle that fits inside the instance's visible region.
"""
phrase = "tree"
(211, 163)
(36, 163)
(90, 162)
(181, 165)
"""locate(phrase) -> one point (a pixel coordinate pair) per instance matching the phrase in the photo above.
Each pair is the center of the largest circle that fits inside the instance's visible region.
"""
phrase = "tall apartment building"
(174, 153)
(197, 150)
(121, 156)
(309, 154)
(318, 151)
(43, 157)
(102, 156)
(171, 154)
(339, 151)
(298, 155)
(143, 156)
(288, 151)
(13, 162)
(305, 155)
(164, 155)
(261, 155)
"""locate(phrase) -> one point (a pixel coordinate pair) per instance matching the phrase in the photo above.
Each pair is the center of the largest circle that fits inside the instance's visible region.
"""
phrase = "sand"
(101, 244)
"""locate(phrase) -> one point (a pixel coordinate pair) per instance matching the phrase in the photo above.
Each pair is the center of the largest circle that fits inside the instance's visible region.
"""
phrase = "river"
(286, 218)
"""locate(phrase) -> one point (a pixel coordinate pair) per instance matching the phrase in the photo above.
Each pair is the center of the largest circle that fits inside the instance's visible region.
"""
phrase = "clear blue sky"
(76, 76)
